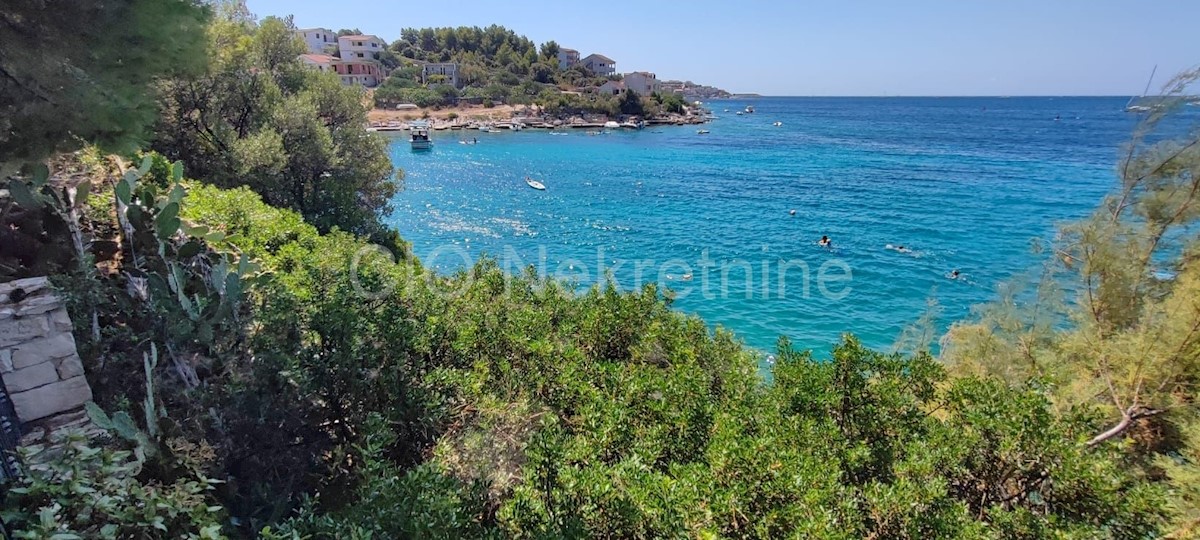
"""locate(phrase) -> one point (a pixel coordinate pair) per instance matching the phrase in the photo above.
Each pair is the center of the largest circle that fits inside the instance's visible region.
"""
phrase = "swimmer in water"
(793, 212)
(954, 274)
(825, 242)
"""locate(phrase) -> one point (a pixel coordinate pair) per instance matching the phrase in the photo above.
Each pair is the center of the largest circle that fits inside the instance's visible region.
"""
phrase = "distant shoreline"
(504, 116)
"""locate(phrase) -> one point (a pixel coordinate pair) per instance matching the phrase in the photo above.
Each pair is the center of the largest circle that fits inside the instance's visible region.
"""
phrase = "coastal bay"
(963, 183)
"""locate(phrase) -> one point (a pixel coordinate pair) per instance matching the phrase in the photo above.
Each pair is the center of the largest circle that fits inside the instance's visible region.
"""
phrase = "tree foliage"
(77, 72)
(258, 118)
(1129, 273)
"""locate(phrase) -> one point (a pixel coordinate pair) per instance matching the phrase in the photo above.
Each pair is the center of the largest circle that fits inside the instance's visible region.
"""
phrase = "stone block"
(6, 364)
(59, 345)
(16, 330)
(70, 367)
(29, 285)
(31, 377)
(37, 305)
(51, 399)
(60, 321)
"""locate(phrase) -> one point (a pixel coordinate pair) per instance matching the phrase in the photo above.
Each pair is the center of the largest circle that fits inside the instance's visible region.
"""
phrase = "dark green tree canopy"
(78, 71)
(258, 118)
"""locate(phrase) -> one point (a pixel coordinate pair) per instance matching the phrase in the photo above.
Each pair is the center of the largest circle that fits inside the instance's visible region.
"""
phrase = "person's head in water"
(954, 273)
(824, 240)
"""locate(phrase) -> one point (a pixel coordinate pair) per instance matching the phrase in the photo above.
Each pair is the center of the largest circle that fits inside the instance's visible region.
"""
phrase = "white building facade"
(567, 58)
(361, 47)
(318, 40)
(319, 62)
(612, 88)
(600, 64)
(642, 82)
(449, 70)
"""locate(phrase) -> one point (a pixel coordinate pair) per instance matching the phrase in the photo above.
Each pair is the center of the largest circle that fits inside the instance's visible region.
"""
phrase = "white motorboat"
(419, 136)
(702, 132)
(535, 184)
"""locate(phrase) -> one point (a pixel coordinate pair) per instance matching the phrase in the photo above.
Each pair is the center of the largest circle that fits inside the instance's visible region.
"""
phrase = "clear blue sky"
(830, 47)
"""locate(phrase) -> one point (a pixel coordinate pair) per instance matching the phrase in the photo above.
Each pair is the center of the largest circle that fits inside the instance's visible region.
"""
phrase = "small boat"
(419, 136)
(749, 109)
(739, 113)
(702, 132)
(777, 124)
(535, 184)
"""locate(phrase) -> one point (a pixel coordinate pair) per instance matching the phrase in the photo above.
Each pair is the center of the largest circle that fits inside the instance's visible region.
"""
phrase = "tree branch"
(1127, 419)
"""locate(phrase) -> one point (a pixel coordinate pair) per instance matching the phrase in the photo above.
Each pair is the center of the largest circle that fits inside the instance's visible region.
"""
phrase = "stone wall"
(39, 365)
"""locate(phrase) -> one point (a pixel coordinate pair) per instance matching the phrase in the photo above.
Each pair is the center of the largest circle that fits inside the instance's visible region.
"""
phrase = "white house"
(363, 47)
(319, 62)
(600, 64)
(318, 40)
(567, 58)
(446, 69)
(642, 82)
(612, 88)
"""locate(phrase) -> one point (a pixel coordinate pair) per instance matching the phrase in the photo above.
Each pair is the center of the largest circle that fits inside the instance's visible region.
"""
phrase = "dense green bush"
(553, 414)
(74, 489)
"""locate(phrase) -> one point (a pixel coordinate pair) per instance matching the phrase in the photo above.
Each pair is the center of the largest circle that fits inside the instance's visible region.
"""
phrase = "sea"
(729, 222)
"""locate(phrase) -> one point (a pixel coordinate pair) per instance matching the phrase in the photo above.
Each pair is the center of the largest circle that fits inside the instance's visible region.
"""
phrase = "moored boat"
(419, 136)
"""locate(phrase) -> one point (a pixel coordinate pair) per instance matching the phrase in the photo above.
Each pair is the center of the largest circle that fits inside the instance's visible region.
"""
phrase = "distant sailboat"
(1135, 104)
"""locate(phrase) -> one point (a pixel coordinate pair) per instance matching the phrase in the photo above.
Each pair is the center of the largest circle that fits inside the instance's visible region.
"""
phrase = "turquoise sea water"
(965, 183)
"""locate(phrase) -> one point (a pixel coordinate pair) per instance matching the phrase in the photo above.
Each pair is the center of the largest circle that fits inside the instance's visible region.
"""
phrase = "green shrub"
(72, 489)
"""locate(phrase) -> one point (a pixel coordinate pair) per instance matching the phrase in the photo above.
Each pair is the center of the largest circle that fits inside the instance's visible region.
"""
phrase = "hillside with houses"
(436, 68)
